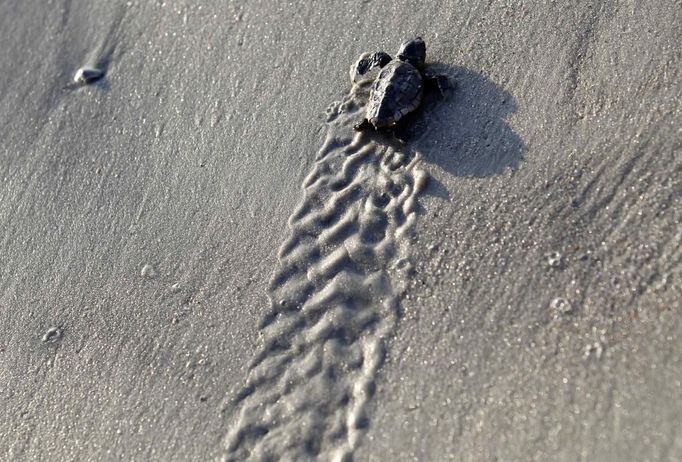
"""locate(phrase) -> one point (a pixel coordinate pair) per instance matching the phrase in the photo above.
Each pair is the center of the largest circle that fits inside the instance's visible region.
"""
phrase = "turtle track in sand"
(334, 300)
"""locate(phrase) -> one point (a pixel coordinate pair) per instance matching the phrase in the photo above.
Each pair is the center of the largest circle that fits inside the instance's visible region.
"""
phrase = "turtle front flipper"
(442, 83)
(381, 58)
(368, 65)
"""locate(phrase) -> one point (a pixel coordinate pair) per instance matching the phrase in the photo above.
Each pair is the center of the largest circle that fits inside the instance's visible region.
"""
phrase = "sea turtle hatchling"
(399, 87)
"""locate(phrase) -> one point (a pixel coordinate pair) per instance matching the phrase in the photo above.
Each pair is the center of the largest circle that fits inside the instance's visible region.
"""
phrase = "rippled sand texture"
(334, 299)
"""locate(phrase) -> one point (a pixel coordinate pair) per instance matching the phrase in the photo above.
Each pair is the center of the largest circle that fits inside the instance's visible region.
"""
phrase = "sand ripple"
(334, 299)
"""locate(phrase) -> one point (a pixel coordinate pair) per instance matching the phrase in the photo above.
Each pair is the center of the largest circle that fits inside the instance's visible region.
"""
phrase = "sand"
(505, 286)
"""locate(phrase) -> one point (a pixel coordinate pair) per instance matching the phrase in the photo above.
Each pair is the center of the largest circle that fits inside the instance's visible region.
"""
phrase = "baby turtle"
(398, 89)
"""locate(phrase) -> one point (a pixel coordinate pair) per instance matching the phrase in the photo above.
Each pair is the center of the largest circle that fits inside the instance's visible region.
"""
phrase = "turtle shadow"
(467, 134)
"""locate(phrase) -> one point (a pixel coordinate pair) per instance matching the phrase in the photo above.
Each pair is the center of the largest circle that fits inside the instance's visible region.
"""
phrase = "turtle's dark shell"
(396, 91)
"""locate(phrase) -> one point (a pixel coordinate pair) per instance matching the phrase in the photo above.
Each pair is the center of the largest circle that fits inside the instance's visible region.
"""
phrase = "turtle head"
(413, 51)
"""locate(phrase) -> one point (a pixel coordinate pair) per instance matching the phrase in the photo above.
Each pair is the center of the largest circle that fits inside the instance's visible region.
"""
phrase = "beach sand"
(201, 260)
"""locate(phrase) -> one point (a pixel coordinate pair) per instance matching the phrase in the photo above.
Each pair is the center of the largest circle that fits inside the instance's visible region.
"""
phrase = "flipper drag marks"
(334, 299)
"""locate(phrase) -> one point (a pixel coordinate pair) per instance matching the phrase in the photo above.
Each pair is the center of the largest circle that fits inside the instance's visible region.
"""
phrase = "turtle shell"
(396, 91)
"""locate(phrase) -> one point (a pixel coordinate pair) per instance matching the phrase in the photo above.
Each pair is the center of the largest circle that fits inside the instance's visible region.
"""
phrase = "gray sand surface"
(537, 311)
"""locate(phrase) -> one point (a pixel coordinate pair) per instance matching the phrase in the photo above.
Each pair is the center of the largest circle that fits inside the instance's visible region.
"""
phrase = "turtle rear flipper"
(402, 132)
(364, 125)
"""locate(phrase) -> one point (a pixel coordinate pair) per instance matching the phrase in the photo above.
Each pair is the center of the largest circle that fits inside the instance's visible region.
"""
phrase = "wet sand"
(202, 261)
